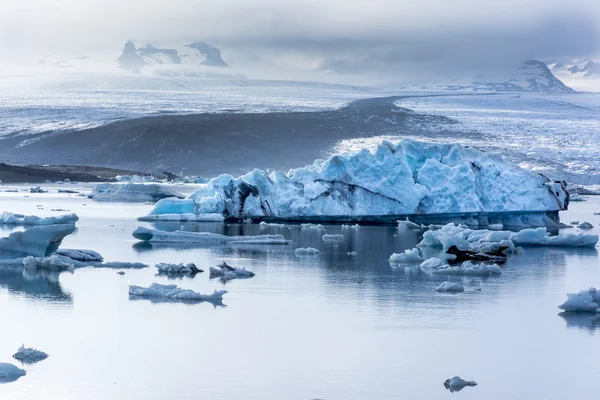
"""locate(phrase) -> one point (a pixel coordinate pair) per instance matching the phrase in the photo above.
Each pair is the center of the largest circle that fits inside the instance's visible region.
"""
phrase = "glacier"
(38, 241)
(151, 235)
(8, 218)
(407, 178)
(132, 192)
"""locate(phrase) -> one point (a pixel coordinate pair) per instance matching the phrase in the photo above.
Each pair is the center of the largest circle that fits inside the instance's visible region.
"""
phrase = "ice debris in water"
(355, 226)
(407, 225)
(52, 263)
(585, 225)
(408, 257)
(311, 226)
(132, 192)
(180, 268)
(80, 255)
(496, 227)
(352, 253)
(121, 273)
(485, 240)
(584, 301)
(29, 355)
(301, 251)
(333, 238)
(436, 266)
(227, 272)
(37, 189)
(172, 292)
(151, 235)
(38, 241)
(404, 178)
(8, 218)
(10, 372)
(450, 287)
(263, 223)
(457, 383)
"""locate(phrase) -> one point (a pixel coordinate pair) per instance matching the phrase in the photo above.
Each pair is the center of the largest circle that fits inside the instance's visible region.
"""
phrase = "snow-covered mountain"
(580, 74)
(74, 63)
(531, 76)
(196, 59)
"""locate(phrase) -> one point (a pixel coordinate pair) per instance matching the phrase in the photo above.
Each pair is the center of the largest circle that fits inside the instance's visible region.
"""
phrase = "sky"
(343, 36)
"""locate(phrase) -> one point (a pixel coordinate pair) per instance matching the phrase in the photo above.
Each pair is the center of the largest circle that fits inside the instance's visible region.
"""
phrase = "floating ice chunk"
(52, 263)
(37, 189)
(68, 191)
(333, 238)
(29, 355)
(178, 268)
(172, 292)
(121, 273)
(496, 227)
(312, 226)
(355, 226)
(450, 287)
(265, 224)
(38, 241)
(132, 192)
(540, 237)
(407, 225)
(585, 225)
(114, 265)
(576, 197)
(151, 235)
(185, 217)
(301, 251)
(227, 272)
(352, 253)
(10, 372)
(467, 268)
(409, 256)
(432, 263)
(574, 223)
(584, 301)
(80, 255)
(247, 221)
(8, 218)
(457, 383)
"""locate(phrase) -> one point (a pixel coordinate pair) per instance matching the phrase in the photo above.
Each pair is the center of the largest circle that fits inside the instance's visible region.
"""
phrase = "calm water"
(332, 326)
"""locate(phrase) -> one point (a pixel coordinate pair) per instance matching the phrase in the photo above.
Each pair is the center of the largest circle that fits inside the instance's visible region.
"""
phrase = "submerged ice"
(395, 179)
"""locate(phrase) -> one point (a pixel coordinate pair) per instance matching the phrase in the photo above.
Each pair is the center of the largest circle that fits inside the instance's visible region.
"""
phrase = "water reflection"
(160, 300)
(586, 321)
(39, 285)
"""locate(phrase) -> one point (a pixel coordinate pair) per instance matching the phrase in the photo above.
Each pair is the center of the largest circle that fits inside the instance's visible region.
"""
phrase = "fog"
(350, 38)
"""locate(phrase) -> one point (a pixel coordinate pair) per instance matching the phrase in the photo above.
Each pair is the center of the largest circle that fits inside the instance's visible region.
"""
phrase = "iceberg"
(467, 268)
(174, 293)
(29, 355)
(408, 178)
(227, 272)
(333, 238)
(151, 235)
(485, 241)
(457, 384)
(355, 226)
(407, 225)
(584, 301)
(10, 372)
(166, 268)
(8, 218)
(306, 251)
(52, 263)
(585, 225)
(408, 257)
(132, 192)
(38, 241)
(312, 226)
(450, 287)
(80, 255)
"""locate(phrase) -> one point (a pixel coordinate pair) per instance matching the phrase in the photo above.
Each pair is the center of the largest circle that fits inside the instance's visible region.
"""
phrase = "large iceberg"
(8, 218)
(38, 241)
(409, 178)
(151, 235)
(132, 192)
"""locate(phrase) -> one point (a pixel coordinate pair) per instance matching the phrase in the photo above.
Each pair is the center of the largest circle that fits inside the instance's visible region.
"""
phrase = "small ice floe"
(80, 255)
(121, 273)
(410, 256)
(574, 223)
(265, 224)
(68, 191)
(355, 226)
(585, 225)
(174, 293)
(407, 225)
(352, 253)
(496, 227)
(227, 272)
(29, 355)
(584, 301)
(333, 238)
(306, 251)
(37, 189)
(10, 372)
(576, 197)
(8, 218)
(457, 383)
(450, 287)
(312, 226)
(467, 268)
(151, 235)
(166, 268)
(247, 221)
(52, 263)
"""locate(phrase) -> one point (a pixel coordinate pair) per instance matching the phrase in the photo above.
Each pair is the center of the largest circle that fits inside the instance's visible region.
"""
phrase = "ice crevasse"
(408, 178)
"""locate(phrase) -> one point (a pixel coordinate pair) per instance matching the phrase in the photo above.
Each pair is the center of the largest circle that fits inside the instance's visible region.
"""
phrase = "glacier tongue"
(395, 179)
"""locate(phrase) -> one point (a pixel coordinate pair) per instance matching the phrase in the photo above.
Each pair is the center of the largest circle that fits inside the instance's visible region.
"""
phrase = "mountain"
(583, 75)
(197, 59)
(531, 76)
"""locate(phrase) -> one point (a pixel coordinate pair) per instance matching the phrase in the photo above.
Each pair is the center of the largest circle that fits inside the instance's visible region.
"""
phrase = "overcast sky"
(333, 34)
